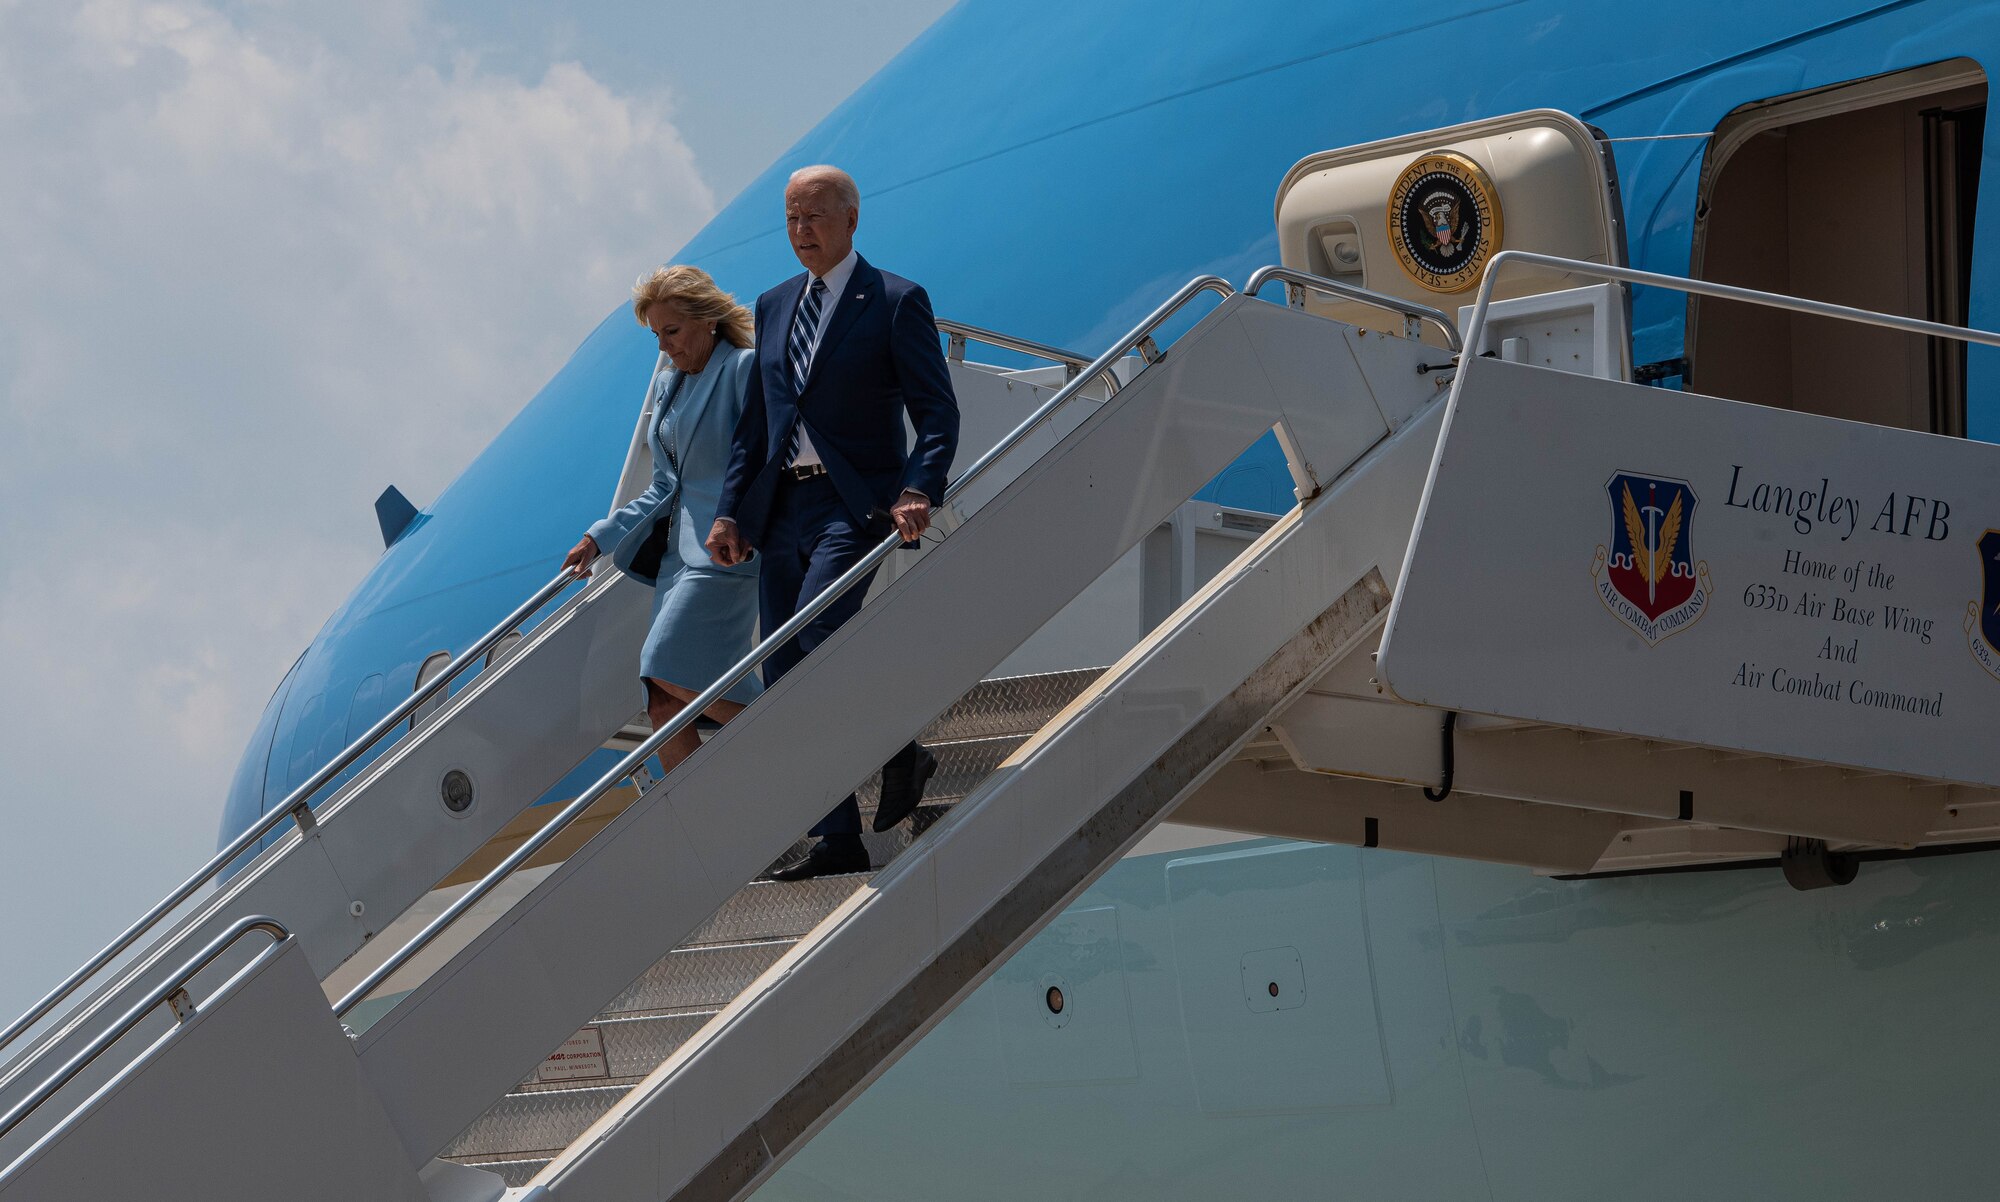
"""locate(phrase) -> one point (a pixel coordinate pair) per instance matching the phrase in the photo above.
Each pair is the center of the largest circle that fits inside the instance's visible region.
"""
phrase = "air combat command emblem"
(1444, 221)
(1648, 577)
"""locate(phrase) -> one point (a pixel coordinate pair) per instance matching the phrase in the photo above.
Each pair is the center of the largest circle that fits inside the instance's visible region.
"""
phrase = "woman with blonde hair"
(702, 613)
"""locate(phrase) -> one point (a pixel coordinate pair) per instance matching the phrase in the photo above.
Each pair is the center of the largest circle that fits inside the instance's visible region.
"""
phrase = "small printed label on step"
(580, 1058)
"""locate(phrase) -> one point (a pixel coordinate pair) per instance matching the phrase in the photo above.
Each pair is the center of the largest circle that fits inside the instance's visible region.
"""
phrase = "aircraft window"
(365, 707)
(433, 664)
(503, 648)
(305, 736)
(1862, 195)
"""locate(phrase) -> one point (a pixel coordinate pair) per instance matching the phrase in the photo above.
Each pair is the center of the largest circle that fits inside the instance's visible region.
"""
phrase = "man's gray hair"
(828, 176)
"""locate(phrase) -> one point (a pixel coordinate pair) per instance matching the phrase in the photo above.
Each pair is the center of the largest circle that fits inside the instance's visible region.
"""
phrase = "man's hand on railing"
(580, 557)
(912, 514)
(726, 545)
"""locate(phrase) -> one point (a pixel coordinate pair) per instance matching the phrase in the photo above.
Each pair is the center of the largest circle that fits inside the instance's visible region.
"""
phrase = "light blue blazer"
(674, 514)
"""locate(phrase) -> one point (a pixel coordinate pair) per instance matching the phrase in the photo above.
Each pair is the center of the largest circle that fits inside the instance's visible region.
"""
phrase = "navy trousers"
(810, 541)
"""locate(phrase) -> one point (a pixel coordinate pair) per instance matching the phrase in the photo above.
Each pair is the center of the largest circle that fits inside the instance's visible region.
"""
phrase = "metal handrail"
(957, 333)
(1410, 310)
(297, 807)
(749, 663)
(1748, 296)
(173, 992)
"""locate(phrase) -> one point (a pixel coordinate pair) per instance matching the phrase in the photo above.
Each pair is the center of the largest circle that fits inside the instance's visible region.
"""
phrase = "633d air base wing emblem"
(1647, 576)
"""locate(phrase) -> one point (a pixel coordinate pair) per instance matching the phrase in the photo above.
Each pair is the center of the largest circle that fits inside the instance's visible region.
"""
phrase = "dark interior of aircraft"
(1860, 195)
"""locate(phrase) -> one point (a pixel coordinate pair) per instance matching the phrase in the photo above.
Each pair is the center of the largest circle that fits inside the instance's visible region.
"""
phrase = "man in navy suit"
(821, 469)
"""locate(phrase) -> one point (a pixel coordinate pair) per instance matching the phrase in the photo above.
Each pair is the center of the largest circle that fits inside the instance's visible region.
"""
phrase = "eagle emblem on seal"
(1444, 221)
(1442, 209)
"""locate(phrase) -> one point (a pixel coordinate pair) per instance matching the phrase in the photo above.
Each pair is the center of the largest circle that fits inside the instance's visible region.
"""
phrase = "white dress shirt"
(836, 286)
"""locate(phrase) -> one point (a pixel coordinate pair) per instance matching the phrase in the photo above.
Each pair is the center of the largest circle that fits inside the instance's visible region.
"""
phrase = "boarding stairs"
(734, 1021)
(671, 1002)
(448, 779)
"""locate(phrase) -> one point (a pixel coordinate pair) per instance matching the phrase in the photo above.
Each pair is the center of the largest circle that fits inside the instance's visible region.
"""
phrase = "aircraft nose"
(245, 801)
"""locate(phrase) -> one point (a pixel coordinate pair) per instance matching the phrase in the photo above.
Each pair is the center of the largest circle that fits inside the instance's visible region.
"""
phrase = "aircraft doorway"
(1862, 195)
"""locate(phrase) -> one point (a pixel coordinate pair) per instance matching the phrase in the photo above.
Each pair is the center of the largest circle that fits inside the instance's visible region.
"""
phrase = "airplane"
(1252, 1010)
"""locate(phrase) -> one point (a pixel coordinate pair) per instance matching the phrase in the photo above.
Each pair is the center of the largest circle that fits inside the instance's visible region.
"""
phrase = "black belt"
(804, 471)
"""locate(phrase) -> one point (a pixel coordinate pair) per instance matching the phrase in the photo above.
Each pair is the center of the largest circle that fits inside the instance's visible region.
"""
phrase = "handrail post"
(1298, 283)
(958, 333)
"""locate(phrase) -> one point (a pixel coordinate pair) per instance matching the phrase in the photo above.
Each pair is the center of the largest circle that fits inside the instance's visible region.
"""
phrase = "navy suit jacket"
(879, 360)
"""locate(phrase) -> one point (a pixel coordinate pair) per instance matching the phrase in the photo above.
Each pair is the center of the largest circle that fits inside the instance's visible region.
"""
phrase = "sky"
(259, 260)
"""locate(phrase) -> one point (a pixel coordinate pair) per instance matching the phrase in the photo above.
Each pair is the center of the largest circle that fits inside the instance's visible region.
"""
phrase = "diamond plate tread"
(537, 1112)
(634, 1046)
(884, 846)
(1009, 705)
(776, 909)
(542, 1122)
(711, 975)
(923, 817)
(516, 1173)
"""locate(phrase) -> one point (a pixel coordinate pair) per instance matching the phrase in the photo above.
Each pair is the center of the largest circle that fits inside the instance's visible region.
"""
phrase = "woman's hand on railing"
(581, 556)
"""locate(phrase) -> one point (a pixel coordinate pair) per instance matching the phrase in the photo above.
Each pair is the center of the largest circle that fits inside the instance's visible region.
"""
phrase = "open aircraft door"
(1420, 217)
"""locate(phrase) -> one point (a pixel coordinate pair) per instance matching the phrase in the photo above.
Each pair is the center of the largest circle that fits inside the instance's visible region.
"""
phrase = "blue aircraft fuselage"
(1053, 170)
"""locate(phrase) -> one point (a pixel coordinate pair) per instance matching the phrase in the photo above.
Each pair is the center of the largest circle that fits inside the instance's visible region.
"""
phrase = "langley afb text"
(1904, 515)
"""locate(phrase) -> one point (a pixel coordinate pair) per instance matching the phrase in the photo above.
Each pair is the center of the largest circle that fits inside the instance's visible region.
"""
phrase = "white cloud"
(257, 265)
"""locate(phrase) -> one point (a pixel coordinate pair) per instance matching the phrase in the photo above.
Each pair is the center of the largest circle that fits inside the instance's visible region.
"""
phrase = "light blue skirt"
(702, 621)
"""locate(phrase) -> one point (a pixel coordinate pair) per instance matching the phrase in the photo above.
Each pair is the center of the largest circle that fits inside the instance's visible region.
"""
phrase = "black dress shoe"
(826, 859)
(903, 780)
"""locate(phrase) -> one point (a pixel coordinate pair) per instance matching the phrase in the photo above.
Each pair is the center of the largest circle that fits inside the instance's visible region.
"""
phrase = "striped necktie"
(805, 330)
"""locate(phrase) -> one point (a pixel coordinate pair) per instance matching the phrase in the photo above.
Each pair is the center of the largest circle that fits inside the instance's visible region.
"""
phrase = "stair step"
(710, 975)
(634, 1045)
(544, 1122)
(516, 1173)
(537, 1112)
(776, 909)
(1009, 705)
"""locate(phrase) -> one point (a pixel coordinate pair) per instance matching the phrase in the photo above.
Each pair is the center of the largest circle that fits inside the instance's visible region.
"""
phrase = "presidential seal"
(1647, 575)
(1444, 221)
